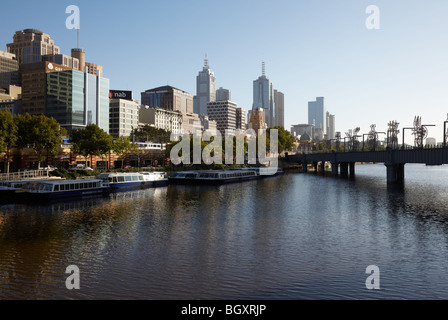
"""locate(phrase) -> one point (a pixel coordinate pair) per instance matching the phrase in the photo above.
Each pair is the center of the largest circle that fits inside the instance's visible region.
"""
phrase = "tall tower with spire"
(264, 96)
(205, 88)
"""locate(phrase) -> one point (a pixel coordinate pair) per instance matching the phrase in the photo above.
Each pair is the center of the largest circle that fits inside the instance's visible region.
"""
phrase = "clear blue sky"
(311, 48)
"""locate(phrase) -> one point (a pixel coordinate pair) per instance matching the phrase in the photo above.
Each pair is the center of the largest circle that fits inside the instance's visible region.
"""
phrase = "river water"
(297, 236)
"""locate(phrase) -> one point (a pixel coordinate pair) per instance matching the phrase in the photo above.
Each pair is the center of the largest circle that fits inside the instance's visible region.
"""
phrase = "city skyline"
(366, 76)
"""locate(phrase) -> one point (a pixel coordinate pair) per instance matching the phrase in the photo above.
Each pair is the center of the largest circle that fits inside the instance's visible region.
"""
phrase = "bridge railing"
(22, 175)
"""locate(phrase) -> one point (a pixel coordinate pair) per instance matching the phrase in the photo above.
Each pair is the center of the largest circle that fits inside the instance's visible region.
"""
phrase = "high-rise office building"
(34, 85)
(263, 90)
(224, 113)
(30, 45)
(223, 94)
(331, 126)
(279, 99)
(205, 88)
(123, 117)
(76, 99)
(240, 118)
(9, 70)
(317, 114)
(168, 98)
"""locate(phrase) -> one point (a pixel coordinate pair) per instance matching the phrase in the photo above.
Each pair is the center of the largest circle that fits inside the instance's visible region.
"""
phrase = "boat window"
(72, 186)
(115, 179)
(56, 188)
(134, 178)
(120, 179)
(140, 178)
(127, 178)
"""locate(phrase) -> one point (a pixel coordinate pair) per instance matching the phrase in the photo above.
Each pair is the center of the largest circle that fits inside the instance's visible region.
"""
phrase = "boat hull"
(138, 184)
(61, 194)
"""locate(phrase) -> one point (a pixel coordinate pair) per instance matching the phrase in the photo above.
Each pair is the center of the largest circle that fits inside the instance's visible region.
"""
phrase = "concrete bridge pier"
(335, 168)
(344, 169)
(395, 172)
(304, 167)
(322, 166)
(352, 169)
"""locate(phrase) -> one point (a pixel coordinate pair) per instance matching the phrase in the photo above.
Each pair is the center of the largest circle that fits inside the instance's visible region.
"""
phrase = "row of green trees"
(40, 133)
(285, 143)
(45, 136)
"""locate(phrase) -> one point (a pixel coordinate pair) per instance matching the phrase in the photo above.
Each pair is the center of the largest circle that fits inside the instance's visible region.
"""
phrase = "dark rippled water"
(299, 236)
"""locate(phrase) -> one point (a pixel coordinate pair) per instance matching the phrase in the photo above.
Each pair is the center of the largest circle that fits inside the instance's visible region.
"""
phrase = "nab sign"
(120, 94)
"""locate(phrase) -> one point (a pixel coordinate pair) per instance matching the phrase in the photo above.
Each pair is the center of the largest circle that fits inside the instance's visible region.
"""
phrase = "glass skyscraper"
(264, 98)
(76, 99)
(205, 88)
(317, 114)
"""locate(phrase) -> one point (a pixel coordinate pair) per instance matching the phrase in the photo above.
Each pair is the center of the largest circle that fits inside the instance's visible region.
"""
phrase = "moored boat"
(62, 189)
(8, 188)
(132, 180)
(213, 176)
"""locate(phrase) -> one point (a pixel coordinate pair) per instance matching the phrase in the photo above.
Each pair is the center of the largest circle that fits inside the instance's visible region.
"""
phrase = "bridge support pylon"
(352, 169)
(304, 167)
(335, 168)
(322, 167)
(344, 169)
(395, 172)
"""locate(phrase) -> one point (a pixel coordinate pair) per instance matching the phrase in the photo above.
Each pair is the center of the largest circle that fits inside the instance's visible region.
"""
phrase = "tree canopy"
(91, 141)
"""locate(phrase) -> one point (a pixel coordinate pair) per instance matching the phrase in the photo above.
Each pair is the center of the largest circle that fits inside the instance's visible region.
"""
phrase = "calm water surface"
(299, 236)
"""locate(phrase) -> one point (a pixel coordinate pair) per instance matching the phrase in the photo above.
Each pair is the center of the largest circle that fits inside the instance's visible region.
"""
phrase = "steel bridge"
(343, 163)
